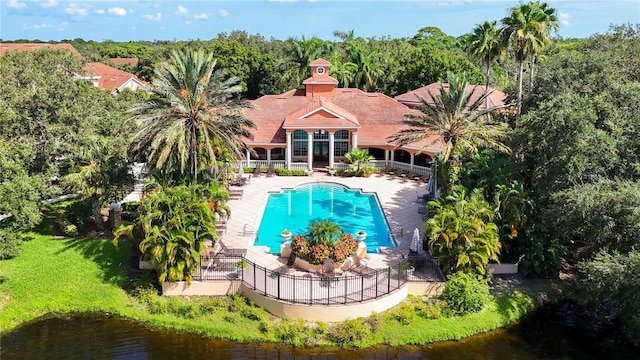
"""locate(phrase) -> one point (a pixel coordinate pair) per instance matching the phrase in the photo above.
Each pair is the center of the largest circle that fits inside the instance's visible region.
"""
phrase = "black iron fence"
(287, 284)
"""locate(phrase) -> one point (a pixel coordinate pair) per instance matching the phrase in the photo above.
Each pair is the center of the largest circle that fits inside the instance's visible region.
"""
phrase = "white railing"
(299, 166)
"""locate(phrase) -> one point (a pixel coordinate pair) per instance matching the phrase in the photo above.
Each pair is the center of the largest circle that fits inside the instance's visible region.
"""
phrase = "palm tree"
(300, 54)
(194, 106)
(486, 44)
(324, 232)
(528, 27)
(462, 125)
(358, 158)
(461, 231)
(176, 223)
(344, 72)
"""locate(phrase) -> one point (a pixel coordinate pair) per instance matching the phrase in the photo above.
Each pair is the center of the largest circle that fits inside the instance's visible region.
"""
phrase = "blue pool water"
(296, 209)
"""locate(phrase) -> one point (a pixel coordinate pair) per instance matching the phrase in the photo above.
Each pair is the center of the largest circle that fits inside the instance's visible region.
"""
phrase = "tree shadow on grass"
(113, 261)
(526, 296)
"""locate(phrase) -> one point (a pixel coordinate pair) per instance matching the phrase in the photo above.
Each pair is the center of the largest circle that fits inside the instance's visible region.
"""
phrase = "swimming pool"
(295, 209)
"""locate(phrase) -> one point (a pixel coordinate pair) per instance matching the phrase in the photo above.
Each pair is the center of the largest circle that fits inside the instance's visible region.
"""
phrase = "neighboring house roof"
(110, 78)
(496, 98)
(123, 61)
(4, 47)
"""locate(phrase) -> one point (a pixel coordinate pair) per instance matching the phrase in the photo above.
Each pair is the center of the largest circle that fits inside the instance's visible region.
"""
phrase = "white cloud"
(100, 12)
(443, 3)
(44, 26)
(117, 11)
(223, 13)
(156, 17)
(74, 10)
(202, 16)
(188, 22)
(182, 10)
(49, 4)
(15, 4)
(289, 1)
(563, 18)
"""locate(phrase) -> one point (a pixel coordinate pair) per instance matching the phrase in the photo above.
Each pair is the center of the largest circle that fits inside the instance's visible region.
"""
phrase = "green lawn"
(63, 276)
(60, 276)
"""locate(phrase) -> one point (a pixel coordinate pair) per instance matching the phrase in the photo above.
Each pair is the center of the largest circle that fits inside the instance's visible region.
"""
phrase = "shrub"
(344, 247)
(404, 313)
(9, 244)
(348, 331)
(70, 230)
(465, 293)
(293, 332)
(318, 254)
(283, 172)
(299, 172)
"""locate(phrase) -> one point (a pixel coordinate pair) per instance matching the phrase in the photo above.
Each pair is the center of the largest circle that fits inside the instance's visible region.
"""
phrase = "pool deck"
(398, 197)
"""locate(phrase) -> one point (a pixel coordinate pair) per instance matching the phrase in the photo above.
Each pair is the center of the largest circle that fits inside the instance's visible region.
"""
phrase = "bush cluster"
(9, 244)
(317, 253)
(465, 293)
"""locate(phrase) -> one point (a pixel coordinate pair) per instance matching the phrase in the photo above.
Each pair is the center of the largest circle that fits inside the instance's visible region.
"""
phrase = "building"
(100, 75)
(316, 126)
(496, 97)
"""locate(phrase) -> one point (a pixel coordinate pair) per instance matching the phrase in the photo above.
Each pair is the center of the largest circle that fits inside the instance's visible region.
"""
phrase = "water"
(296, 209)
(546, 335)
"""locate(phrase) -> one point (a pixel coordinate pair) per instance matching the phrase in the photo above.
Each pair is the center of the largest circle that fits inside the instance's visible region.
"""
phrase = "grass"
(61, 276)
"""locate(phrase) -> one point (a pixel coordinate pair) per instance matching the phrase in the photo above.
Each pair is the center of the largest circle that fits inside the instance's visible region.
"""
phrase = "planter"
(332, 172)
(286, 236)
(361, 235)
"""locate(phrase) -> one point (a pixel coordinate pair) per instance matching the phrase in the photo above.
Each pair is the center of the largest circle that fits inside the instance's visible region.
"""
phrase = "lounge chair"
(257, 172)
(358, 265)
(272, 170)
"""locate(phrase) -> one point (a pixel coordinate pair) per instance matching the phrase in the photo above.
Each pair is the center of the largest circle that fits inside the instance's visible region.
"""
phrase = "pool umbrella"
(432, 185)
(415, 242)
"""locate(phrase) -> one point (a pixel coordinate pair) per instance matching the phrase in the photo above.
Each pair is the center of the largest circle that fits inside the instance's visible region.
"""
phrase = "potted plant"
(285, 234)
(241, 266)
(332, 170)
(361, 235)
(408, 268)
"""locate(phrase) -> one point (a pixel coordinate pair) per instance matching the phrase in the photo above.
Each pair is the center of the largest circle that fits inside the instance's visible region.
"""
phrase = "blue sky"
(189, 19)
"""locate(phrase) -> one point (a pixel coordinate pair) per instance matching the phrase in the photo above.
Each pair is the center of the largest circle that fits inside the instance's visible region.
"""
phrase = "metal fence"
(312, 289)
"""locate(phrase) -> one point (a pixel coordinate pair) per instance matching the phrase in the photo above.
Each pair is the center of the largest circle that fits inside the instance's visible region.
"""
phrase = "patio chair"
(257, 172)
(358, 265)
(272, 170)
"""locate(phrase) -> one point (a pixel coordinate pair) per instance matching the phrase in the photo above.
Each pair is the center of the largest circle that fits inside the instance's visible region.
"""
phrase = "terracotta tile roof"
(122, 61)
(377, 115)
(320, 62)
(320, 80)
(496, 98)
(4, 47)
(110, 77)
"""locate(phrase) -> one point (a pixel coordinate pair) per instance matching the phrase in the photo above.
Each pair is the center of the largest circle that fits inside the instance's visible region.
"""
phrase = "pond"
(551, 333)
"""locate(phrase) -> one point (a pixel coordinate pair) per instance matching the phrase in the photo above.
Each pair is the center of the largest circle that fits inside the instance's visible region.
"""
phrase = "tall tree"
(528, 28)
(101, 173)
(194, 105)
(461, 124)
(300, 53)
(486, 44)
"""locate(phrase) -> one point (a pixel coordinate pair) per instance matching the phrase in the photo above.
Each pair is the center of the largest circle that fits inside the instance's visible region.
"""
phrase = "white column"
(411, 160)
(393, 154)
(288, 150)
(386, 157)
(248, 155)
(310, 150)
(331, 148)
(269, 155)
(354, 140)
